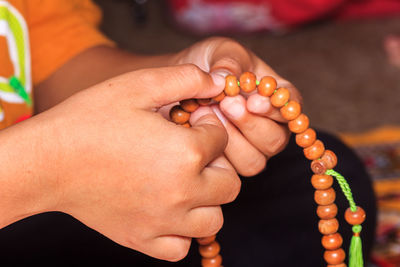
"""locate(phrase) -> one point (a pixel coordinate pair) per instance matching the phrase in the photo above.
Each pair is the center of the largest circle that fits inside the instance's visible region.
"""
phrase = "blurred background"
(341, 55)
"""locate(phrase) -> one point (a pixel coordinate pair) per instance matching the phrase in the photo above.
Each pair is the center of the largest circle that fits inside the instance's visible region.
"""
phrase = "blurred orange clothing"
(36, 38)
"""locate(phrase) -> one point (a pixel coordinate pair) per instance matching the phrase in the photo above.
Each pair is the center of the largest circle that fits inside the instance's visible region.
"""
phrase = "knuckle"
(276, 144)
(250, 125)
(254, 166)
(194, 154)
(195, 157)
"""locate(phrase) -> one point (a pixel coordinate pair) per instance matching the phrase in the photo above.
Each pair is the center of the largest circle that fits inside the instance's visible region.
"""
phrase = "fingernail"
(233, 108)
(219, 114)
(218, 77)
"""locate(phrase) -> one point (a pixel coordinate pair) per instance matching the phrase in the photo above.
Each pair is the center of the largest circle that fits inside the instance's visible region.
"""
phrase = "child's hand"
(125, 171)
(253, 125)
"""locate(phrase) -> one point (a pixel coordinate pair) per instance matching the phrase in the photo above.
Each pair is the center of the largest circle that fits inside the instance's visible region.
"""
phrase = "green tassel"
(355, 254)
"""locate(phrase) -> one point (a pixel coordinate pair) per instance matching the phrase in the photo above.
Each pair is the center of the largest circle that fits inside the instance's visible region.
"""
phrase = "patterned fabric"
(380, 151)
(36, 38)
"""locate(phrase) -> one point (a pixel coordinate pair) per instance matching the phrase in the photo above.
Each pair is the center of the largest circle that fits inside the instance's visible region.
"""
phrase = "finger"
(208, 136)
(246, 159)
(261, 69)
(202, 221)
(229, 57)
(261, 105)
(163, 86)
(224, 62)
(218, 184)
(266, 135)
(168, 247)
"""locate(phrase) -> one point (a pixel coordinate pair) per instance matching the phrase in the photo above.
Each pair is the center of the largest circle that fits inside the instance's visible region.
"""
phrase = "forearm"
(89, 68)
(24, 187)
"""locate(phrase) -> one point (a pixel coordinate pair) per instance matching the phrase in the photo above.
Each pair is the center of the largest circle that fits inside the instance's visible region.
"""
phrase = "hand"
(135, 177)
(255, 128)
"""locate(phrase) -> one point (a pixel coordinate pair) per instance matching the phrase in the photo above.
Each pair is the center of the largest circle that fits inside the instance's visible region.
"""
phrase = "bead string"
(355, 254)
(323, 162)
(345, 188)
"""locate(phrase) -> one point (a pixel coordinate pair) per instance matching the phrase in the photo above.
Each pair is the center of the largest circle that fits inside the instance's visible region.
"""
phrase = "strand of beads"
(209, 248)
(322, 163)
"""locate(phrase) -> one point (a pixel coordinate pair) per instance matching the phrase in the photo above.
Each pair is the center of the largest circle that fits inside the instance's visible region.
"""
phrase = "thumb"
(227, 54)
(163, 86)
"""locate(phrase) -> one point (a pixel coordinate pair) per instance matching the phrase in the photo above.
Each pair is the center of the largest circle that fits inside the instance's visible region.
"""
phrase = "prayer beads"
(323, 162)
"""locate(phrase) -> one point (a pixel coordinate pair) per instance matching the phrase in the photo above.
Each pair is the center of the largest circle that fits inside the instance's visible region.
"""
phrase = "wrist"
(27, 186)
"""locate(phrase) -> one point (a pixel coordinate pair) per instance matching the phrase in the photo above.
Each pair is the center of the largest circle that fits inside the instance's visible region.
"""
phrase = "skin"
(109, 181)
(114, 187)
(254, 127)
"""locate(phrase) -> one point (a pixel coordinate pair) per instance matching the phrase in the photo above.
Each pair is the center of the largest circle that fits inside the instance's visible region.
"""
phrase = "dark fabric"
(272, 223)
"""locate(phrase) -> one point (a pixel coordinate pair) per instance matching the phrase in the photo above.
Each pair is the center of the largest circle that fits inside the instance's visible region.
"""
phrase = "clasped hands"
(121, 168)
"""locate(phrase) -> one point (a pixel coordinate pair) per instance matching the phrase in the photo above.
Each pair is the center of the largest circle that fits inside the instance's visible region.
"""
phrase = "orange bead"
(306, 138)
(231, 86)
(178, 115)
(327, 211)
(333, 241)
(328, 227)
(321, 181)
(206, 240)
(299, 125)
(336, 256)
(189, 105)
(247, 82)
(314, 151)
(219, 97)
(210, 250)
(267, 86)
(325, 197)
(211, 262)
(204, 101)
(280, 97)
(318, 166)
(356, 217)
(187, 125)
(337, 265)
(291, 111)
(330, 159)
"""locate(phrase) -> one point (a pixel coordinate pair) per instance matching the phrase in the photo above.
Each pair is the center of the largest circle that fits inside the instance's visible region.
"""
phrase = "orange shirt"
(36, 38)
